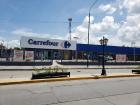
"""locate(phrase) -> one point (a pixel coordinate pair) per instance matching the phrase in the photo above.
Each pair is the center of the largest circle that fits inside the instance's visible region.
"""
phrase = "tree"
(2, 46)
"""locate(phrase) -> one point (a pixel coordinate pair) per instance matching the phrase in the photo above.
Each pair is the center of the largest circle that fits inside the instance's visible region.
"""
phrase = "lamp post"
(89, 29)
(103, 42)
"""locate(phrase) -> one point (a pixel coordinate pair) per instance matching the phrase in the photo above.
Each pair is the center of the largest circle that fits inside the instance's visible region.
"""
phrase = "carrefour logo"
(47, 43)
(65, 44)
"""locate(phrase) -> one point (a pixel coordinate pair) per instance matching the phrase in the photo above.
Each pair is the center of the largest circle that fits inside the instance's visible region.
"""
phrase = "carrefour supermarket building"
(45, 49)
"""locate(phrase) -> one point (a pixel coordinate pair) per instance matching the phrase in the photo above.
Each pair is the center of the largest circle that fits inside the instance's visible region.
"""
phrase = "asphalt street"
(120, 91)
(85, 72)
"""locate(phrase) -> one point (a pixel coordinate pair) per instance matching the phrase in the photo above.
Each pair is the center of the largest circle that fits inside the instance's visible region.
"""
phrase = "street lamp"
(103, 42)
(89, 28)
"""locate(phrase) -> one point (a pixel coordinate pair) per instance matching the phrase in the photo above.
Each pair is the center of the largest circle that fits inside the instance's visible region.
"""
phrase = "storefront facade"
(49, 48)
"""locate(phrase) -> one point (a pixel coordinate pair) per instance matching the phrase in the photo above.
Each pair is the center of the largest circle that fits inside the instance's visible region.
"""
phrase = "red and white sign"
(18, 55)
(29, 55)
(120, 57)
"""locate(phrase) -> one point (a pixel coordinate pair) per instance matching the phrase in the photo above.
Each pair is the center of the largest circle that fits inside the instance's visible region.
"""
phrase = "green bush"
(138, 67)
(49, 70)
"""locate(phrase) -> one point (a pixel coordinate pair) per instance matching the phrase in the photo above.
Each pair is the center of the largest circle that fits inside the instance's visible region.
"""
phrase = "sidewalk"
(69, 67)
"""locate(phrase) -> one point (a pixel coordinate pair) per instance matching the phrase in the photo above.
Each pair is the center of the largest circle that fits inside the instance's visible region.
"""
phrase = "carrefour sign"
(32, 42)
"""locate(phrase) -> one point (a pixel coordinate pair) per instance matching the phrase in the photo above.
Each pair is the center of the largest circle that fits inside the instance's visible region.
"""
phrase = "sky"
(117, 20)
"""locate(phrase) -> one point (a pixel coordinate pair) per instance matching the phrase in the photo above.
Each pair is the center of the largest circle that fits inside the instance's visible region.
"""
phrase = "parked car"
(106, 58)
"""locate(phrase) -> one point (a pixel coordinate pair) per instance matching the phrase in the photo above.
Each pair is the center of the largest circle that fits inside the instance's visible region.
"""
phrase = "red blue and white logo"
(65, 44)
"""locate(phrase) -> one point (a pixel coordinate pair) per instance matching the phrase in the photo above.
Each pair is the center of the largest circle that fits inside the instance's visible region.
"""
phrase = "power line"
(50, 22)
(59, 22)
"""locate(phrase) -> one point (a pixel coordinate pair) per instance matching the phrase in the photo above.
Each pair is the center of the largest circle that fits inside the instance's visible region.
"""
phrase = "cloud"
(118, 33)
(13, 43)
(132, 6)
(105, 27)
(26, 32)
(29, 33)
(130, 31)
(10, 44)
(107, 8)
(2, 39)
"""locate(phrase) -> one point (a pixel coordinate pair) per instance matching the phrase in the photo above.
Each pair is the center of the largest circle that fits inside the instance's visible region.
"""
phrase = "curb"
(72, 68)
(67, 79)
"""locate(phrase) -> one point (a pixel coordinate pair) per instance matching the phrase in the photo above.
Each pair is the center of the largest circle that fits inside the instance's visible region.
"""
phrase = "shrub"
(96, 77)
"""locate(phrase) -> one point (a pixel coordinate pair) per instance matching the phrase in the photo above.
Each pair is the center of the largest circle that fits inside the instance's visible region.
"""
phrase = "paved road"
(125, 91)
(74, 72)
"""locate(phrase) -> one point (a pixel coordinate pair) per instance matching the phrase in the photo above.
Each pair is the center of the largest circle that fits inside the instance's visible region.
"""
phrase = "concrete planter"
(50, 75)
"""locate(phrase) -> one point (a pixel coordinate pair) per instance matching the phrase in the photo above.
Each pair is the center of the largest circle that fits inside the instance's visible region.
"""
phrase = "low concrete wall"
(25, 63)
(97, 63)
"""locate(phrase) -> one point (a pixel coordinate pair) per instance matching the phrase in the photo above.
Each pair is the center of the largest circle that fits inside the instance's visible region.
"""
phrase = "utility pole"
(70, 20)
(89, 30)
(133, 45)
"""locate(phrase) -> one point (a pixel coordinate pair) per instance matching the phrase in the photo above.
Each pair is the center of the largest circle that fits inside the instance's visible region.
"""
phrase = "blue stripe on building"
(109, 49)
